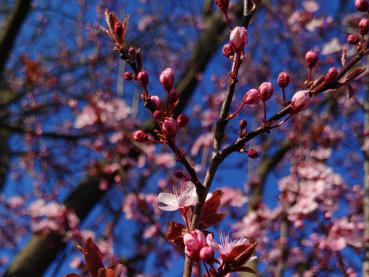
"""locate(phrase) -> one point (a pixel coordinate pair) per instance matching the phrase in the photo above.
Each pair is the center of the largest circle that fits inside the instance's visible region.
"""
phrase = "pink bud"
(227, 50)
(127, 75)
(353, 39)
(331, 74)
(169, 127)
(251, 97)
(158, 115)
(143, 78)
(167, 79)
(222, 4)
(364, 26)
(155, 101)
(140, 136)
(362, 5)
(182, 120)
(238, 38)
(311, 58)
(252, 153)
(193, 241)
(207, 254)
(265, 91)
(283, 79)
(300, 101)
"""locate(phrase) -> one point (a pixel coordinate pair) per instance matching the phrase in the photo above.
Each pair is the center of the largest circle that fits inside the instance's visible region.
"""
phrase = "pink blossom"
(238, 38)
(169, 127)
(265, 91)
(300, 101)
(251, 97)
(185, 196)
(233, 197)
(311, 58)
(226, 246)
(165, 159)
(194, 241)
(167, 79)
(283, 79)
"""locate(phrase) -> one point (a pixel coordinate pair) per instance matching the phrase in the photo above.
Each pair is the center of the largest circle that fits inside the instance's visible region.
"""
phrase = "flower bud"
(127, 75)
(265, 91)
(227, 50)
(252, 153)
(182, 120)
(140, 136)
(155, 101)
(353, 39)
(242, 124)
(364, 26)
(169, 127)
(251, 97)
(222, 4)
(283, 79)
(193, 242)
(207, 254)
(300, 101)
(158, 115)
(362, 5)
(238, 38)
(331, 74)
(167, 79)
(311, 58)
(143, 78)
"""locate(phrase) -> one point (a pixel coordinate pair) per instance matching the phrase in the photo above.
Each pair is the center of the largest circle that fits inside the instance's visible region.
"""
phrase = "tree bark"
(10, 32)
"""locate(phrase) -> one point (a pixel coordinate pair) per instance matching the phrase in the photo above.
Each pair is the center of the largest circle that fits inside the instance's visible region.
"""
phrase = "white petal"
(169, 208)
(167, 198)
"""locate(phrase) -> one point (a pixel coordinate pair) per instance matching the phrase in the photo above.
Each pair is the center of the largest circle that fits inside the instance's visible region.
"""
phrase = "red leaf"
(354, 74)
(213, 203)
(175, 230)
(175, 235)
(243, 257)
(92, 257)
(211, 220)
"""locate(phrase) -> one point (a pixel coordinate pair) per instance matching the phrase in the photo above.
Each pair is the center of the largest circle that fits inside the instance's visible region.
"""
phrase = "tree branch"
(10, 32)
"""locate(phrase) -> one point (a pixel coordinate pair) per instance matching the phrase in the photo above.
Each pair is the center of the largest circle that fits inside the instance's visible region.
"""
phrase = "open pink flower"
(185, 196)
(229, 249)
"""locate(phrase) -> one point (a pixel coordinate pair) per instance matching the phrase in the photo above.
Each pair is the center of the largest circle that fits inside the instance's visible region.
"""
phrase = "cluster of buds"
(233, 254)
(163, 114)
(196, 247)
